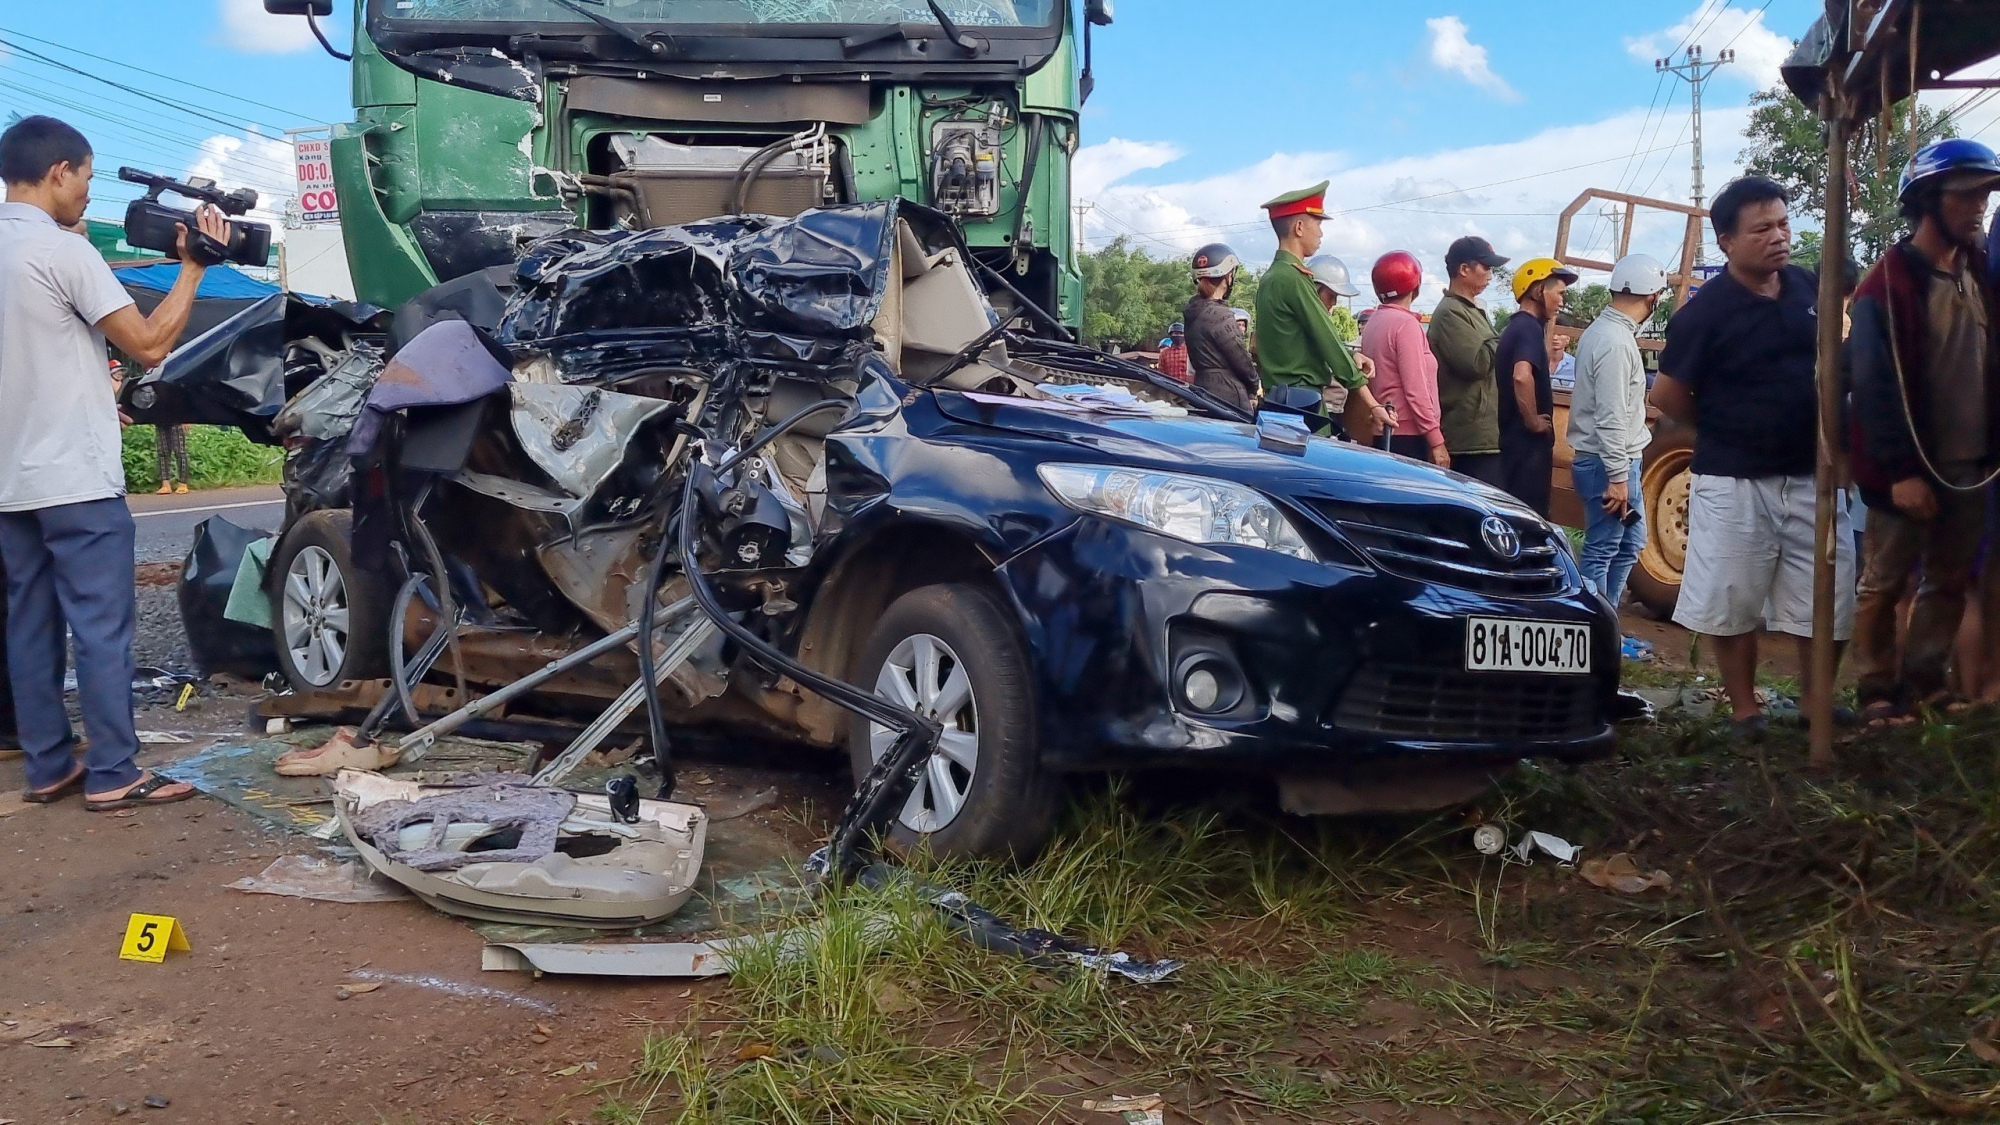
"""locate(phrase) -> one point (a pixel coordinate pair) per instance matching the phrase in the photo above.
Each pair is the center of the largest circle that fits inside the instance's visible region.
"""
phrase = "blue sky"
(1203, 108)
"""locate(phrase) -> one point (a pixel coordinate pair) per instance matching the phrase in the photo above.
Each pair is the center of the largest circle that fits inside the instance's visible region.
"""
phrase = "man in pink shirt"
(1406, 373)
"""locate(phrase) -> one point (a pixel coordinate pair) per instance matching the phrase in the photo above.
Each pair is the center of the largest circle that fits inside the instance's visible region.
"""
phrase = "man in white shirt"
(66, 538)
(1607, 426)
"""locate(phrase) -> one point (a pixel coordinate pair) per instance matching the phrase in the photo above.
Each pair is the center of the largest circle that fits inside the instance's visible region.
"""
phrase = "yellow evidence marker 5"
(149, 936)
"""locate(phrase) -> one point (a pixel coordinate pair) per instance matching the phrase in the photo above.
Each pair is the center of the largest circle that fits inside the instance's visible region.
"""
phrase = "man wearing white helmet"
(1607, 425)
(1332, 282)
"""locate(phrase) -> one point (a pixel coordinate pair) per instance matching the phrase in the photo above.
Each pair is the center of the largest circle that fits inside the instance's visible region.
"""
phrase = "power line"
(1755, 17)
(150, 133)
(157, 74)
(134, 90)
(1697, 72)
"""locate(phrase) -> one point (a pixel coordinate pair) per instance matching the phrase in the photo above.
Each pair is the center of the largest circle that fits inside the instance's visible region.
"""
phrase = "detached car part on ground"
(1062, 560)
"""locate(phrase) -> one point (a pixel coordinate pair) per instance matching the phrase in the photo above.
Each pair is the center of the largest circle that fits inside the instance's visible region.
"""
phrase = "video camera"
(149, 224)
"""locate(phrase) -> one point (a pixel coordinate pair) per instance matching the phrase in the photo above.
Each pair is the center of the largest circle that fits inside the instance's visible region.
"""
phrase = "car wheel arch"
(862, 584)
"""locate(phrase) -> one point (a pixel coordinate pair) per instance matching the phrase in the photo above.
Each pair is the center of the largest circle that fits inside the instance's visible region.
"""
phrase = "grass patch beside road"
(218, 457)
(1825, 954)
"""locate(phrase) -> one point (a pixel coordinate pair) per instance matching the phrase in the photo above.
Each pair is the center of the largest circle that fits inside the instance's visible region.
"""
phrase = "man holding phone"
(1607, 425)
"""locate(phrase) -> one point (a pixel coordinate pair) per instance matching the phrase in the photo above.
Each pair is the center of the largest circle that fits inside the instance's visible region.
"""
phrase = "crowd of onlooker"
(1739, 365)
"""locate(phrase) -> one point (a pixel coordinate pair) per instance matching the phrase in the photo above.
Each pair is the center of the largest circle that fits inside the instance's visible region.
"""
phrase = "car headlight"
(1196, 509)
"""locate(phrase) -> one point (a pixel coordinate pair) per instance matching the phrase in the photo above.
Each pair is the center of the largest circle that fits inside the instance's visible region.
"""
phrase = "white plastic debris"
(1148, 1109)
(1564, 852)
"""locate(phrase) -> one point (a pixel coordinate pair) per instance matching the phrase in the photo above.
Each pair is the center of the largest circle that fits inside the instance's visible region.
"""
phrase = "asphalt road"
(166, 523)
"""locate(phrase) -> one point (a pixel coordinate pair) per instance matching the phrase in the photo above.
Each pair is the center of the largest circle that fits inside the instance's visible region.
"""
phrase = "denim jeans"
(69, 569)
(1610, 546)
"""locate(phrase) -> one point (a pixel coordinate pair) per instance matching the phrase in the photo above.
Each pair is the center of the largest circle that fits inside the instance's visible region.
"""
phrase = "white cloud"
(1713, 26)
(1453, 50)
(247, 27)
(1100, 165)
(1421, 203)
(251, 160)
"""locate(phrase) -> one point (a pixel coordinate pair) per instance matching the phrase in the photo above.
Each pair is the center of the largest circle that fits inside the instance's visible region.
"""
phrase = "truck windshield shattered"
(990, 13)
(899, 518)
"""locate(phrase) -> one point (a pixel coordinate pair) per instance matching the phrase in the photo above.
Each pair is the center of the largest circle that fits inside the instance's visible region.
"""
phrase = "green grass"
(1825, 954)
(218, 457)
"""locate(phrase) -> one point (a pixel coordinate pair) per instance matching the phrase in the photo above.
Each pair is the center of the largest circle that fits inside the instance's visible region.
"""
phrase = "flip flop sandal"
(141, 794)
(1882, 714)
(1752, 729)
(71, 784)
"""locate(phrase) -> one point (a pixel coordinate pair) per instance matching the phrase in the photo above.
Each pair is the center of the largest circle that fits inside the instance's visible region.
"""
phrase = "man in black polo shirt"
(1739, 365)
(1521, 368)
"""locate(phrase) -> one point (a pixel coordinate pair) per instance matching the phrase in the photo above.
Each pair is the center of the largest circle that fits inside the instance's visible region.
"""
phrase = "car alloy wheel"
(315, 615)
(925, 675)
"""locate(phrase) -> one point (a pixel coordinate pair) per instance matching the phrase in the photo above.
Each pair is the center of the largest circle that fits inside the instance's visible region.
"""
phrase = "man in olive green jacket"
(1463, 339)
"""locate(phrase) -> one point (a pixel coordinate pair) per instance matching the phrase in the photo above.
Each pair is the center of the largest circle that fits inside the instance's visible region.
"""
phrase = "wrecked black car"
(1065, 561)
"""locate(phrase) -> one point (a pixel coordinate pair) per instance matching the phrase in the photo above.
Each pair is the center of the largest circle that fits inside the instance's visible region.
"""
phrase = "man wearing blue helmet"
(1924, 427)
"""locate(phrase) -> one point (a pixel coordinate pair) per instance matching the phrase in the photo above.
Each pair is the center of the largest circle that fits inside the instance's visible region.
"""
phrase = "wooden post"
(1832, 268)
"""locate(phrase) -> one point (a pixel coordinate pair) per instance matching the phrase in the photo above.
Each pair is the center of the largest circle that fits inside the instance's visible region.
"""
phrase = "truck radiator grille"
(1444, 706)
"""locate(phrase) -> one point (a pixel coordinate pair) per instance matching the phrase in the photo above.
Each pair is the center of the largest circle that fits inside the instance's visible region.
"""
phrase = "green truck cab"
(482, 124)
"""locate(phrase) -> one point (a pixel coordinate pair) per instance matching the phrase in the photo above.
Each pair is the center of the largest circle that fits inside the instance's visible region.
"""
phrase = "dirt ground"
(249, 1027)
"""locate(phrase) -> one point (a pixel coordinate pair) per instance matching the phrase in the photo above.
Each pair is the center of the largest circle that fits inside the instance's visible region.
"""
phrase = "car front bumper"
(1344, 672)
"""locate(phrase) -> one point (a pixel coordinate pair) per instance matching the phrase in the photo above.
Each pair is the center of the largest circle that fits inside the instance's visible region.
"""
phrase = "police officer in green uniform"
(1299, 353)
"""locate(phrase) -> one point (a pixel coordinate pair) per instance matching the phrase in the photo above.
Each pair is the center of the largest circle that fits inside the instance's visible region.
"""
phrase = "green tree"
(1785, 145)
(1131, 297)
(1345, 324)
(1582, 304)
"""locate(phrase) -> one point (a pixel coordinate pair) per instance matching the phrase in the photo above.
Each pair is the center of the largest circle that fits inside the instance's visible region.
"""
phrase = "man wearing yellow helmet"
(1521, 367)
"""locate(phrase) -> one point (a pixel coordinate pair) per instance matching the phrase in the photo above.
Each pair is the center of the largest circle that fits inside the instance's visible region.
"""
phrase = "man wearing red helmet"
(1405, 369)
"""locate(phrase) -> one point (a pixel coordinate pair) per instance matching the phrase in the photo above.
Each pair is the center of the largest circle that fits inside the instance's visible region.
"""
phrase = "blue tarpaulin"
(219, 283)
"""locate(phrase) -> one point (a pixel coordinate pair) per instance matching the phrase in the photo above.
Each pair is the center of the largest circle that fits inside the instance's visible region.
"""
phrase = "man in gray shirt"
(66, 537)
(1607, 426)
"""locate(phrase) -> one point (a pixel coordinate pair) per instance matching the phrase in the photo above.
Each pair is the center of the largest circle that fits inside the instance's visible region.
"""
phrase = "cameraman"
(66, 538)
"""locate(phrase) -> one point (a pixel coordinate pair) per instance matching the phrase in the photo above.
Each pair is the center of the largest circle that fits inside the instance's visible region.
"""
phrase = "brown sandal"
(141, 794)
(71, 784)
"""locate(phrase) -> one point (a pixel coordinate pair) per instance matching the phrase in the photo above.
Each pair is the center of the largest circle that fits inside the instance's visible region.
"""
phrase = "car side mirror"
(1097, 12)
(311, 10)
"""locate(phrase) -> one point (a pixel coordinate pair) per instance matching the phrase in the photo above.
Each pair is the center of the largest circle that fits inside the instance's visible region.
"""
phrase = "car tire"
(330, 620)
(1664, 481)
(984, 793)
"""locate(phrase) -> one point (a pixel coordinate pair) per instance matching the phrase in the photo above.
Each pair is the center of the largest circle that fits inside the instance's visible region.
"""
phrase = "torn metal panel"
(328, 408)
(241, 372)
(665, 959)
(603, 873)
(672, 959)
(577, 435)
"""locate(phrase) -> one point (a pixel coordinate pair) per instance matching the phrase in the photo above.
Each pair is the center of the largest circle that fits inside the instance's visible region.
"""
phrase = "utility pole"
(1076, 228)
(1697, 71)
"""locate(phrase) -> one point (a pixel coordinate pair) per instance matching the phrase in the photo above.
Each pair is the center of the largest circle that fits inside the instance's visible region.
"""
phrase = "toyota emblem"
(1501, 538)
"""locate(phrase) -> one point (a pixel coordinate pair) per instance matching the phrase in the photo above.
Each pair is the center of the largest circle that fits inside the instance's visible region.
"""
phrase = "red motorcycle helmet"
(1396, 274)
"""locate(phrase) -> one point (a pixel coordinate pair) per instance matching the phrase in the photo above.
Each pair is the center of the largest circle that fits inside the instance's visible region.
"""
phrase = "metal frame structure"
(1853, 67)
(1681, 279)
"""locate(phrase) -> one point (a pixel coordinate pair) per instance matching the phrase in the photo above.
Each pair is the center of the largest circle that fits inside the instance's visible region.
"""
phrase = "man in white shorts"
(1739, 366)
